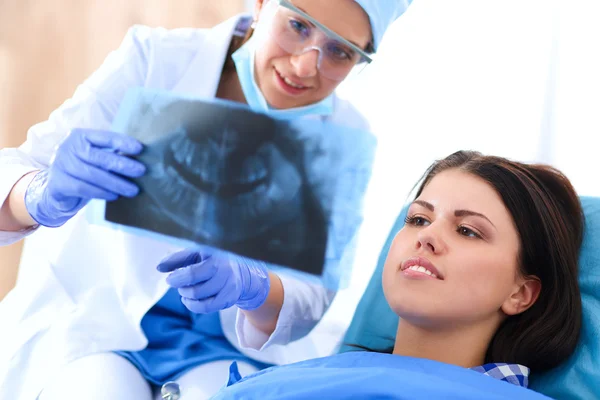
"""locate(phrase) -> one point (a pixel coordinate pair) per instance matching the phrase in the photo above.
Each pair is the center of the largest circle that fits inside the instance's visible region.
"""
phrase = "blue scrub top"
(179, 340)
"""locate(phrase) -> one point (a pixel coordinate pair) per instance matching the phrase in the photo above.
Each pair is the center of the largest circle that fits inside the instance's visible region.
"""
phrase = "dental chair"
(374, 324)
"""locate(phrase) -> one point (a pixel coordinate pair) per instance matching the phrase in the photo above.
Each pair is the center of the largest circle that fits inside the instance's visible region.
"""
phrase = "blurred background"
(516, 78)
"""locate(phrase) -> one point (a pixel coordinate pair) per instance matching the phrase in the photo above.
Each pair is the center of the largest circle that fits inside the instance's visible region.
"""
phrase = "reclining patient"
(483, 277)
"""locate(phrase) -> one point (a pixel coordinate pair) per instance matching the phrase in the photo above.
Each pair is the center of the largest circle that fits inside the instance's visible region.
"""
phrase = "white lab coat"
(87, 287)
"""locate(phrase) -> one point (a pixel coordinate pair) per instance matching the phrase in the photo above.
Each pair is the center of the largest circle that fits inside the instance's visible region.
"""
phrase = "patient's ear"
(526, 292)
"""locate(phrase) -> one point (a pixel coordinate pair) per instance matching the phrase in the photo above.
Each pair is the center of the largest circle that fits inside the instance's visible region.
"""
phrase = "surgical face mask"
(244, 64)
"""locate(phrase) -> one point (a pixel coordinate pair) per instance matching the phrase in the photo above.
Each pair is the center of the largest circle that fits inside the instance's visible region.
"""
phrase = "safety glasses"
(296, 32)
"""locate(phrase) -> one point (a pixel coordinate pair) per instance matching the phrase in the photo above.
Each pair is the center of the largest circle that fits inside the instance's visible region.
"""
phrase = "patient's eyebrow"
(464, 213)
(457, 213)
(425, 204)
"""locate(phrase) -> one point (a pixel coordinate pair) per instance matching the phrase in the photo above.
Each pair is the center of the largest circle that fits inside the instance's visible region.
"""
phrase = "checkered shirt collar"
(512, 373)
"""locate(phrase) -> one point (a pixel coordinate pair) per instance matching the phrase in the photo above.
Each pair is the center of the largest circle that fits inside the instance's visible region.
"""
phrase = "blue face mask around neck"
(244, 64)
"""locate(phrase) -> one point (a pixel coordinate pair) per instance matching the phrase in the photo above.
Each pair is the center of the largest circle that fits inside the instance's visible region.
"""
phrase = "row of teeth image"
(419, 268)
(290, 82)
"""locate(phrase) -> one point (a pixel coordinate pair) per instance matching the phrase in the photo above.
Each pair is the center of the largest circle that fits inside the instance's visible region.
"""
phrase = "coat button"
(170, 391)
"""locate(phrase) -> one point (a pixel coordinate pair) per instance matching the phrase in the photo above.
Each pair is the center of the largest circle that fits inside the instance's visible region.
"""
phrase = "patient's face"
(461, 232)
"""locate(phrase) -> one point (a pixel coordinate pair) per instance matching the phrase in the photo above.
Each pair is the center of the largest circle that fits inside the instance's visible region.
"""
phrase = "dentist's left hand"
(211, 280)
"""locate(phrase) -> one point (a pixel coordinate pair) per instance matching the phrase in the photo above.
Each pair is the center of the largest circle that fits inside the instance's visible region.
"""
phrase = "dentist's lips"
(421, 268)
(288, 85)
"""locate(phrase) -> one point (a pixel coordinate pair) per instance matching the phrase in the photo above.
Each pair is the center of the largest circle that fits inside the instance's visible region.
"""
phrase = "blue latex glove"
(210, 280)
(86, 166)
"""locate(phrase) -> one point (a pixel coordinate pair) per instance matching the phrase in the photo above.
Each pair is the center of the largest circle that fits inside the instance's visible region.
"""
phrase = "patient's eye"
(416, 220)
(468, 232)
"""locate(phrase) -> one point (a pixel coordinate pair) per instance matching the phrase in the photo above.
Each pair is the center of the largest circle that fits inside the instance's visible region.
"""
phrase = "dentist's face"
(455, 262)
(289, 81)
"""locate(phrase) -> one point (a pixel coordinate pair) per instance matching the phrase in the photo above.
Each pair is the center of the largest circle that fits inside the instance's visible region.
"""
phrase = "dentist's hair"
(549, 219)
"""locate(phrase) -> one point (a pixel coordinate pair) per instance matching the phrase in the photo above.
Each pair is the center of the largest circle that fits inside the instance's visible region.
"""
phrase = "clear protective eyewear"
(296, 32)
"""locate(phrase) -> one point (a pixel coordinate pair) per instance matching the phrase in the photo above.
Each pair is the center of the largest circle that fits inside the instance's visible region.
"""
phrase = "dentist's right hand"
(89, 164)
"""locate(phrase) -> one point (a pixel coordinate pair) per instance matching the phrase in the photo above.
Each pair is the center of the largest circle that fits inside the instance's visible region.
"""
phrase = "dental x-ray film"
(285, 192)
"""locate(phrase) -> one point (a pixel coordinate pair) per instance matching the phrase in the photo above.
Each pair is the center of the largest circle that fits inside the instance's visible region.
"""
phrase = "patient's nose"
(430, 240)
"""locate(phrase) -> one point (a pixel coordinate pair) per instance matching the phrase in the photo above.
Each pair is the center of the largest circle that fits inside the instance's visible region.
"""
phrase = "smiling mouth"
(421, 269)
(420, 266)
(290, 82)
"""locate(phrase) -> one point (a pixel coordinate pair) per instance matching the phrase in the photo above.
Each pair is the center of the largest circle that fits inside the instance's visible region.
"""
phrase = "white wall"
(513, 78)
(575, 123)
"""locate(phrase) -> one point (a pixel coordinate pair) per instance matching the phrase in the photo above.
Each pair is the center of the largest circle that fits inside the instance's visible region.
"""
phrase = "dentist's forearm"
(13, 213)
(265, 317)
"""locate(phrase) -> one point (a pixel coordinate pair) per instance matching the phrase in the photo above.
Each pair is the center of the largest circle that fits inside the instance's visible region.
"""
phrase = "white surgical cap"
(382, 13)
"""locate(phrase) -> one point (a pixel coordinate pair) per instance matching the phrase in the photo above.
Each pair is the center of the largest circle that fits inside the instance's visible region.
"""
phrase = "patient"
(484, 279)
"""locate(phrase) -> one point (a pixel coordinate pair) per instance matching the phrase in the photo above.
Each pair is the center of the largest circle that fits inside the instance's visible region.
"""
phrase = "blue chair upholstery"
(374, 323)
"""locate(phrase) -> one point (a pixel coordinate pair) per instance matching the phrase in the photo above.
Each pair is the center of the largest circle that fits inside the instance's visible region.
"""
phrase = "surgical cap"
(382, 14)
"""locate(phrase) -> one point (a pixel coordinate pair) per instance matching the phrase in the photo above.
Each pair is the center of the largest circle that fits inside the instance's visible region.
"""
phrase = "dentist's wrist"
(259, 283)
(14, 216)
(266, 316)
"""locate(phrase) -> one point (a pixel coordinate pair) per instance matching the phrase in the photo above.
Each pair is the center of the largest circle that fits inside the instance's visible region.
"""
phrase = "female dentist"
(94, 319)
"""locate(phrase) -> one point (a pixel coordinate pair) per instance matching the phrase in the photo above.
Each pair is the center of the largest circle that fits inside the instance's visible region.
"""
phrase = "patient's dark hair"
(549, 219)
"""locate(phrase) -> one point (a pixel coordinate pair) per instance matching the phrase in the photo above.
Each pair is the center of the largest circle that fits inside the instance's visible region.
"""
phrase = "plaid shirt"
(512, 373)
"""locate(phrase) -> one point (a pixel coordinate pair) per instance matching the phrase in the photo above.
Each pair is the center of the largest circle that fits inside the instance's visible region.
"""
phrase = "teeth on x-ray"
(225, 167)
(220, 207)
